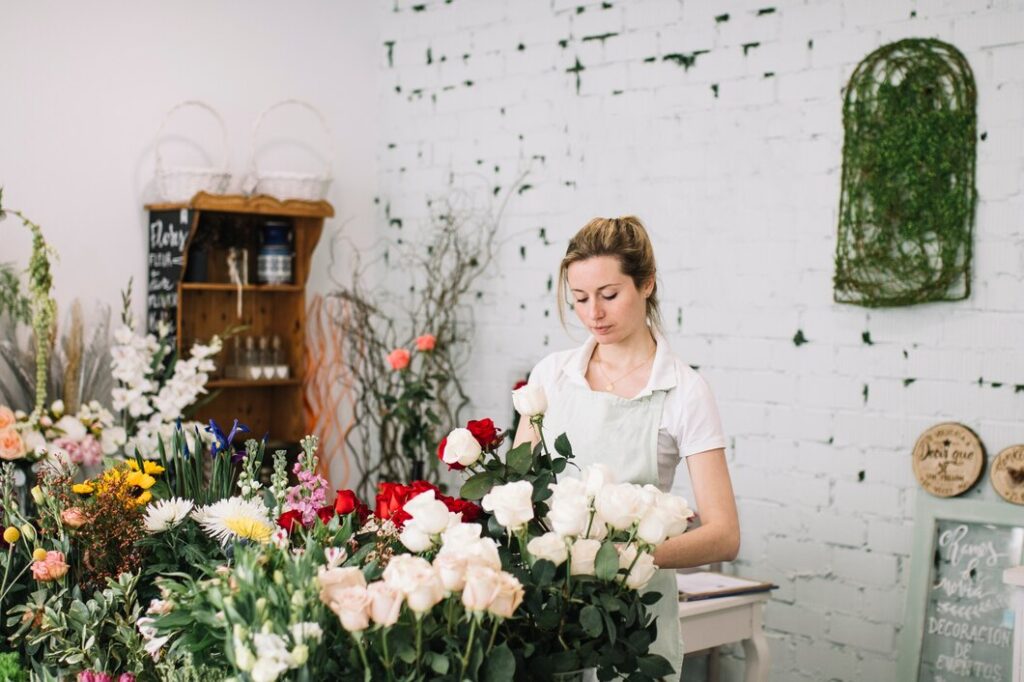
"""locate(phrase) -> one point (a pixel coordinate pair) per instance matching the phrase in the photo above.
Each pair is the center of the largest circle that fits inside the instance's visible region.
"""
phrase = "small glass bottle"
(266, 358)
(234, 368)
(253, 368)
(280, 365)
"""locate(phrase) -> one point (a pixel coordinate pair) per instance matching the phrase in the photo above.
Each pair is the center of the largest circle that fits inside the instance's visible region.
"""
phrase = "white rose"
(33, 441)
(511, 504)
(622, 504)
(430, 515)
(425, 593)
(550, 546)
(71, 427)
(582, 553)
(57, 407)
(596, 477)
(508, 595)
(414, 538)
(385, 603)
(569, 514)
(461, 448)
(112, 439)
(676, 513)
(461, 534)
(530, 400)
(598, 528)
(642, 570)
(651, 528)
(417, 579)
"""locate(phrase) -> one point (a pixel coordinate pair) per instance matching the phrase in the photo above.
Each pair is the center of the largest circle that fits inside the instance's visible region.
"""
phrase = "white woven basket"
(181, 183)
(282, 184)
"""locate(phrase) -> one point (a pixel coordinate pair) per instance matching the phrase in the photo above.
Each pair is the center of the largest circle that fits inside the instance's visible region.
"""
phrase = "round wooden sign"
(1007, 474)
(948, 459)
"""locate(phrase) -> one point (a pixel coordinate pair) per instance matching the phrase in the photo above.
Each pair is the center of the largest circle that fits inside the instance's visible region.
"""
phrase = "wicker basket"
(181, 183)
(290, 184)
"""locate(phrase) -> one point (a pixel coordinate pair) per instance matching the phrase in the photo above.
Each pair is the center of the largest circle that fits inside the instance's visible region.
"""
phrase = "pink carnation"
(53, 567)
(86, 452)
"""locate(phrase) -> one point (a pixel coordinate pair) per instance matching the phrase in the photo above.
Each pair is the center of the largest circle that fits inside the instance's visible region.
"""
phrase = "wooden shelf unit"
(204, 309)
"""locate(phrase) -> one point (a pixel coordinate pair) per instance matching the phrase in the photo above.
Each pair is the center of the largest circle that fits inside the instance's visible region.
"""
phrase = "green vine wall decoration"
(906, 211)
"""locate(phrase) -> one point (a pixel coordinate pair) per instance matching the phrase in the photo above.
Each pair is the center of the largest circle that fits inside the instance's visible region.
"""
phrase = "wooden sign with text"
(168, 235)
(1007, 474)
(948, 459)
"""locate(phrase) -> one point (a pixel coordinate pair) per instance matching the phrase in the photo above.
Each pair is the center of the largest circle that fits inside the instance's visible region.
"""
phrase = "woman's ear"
(648, 288)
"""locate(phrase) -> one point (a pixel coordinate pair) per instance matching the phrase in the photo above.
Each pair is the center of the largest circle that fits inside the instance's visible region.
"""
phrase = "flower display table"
(724, 620)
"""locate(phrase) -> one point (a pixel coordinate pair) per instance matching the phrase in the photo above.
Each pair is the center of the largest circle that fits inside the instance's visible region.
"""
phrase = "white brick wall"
(733, 162)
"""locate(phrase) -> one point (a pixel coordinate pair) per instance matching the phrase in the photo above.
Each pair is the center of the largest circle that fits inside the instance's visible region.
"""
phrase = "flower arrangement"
(84, 437)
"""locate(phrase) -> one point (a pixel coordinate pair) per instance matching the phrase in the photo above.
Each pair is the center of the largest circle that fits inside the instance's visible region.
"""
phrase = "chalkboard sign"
(168, 235)
(959, 612)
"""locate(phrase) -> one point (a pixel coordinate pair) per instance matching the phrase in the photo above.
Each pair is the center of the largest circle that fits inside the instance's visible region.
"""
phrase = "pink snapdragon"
(308, 495)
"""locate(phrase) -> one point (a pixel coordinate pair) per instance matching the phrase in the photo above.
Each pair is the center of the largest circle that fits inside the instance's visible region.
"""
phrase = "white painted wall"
(740, 192)
(86, 85)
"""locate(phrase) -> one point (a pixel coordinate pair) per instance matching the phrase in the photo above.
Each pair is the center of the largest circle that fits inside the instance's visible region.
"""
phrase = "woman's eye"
(581, 300)
(609, 296)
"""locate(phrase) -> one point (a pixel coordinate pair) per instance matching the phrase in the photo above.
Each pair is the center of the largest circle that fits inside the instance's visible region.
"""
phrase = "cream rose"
(595, 477)
(550, 546)
(508, 595)
(385, 603)
(480, 589)
(530, 400)
(416, 579)
(642, 570)
(582, 554)
(11, 445)
(569, 514)
(414, 539)
(461, 447)
(511, 504)
(333, 580)
(352, 606)
(451, 568)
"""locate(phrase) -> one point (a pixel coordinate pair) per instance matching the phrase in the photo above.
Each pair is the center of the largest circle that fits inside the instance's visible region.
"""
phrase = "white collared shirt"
(689, 420)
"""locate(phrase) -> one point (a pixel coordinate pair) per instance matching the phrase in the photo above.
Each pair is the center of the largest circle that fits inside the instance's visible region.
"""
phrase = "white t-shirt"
(689, 419)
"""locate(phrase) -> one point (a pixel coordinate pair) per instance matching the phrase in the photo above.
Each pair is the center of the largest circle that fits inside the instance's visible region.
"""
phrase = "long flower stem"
(358, 636)
(469, 648)
(537, 422)
(387, 654)
(419, 642)
(494, 633)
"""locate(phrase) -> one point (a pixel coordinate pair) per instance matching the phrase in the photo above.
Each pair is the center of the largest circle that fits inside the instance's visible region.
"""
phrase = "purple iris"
(223, 442)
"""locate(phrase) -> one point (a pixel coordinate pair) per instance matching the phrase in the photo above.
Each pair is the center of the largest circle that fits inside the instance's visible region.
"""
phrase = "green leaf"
(649, 598)
(563, 447)
(543, 572)
(541, 491)
(606, 563)
(477, 486)
(500, 665)
(654, 665)
(558, 464)
(590, 619)
(438, 663)
(520, 459)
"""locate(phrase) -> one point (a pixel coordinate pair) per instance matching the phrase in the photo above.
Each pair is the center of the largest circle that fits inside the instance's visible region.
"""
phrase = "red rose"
(470, 511)
(290, 520)
(440, 455)
(391, 499)
(484, 432)
(346, 502)
(326, 513)
(519, 384)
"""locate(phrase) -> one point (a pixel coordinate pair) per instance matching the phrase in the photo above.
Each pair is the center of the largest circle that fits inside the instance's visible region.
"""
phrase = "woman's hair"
(623, 238)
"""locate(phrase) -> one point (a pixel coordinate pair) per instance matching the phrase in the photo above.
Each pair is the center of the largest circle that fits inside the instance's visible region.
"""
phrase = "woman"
(626, 401)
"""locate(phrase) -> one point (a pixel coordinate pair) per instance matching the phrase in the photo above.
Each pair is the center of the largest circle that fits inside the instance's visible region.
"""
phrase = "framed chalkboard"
(959, 617)
(168, 236)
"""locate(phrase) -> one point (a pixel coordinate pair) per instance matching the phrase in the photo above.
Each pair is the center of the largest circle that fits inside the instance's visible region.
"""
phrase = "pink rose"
(53, 567)
(6, 417)
(399, 359)
(334, 580)
(385, 603)
(426, 342)
(352, 606)
(11, 445)
(73, 517)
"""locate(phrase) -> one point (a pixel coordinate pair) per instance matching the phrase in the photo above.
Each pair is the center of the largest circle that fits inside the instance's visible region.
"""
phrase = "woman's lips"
(601, 330)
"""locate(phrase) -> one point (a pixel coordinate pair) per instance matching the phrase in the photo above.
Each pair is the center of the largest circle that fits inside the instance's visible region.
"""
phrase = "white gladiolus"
(550, 546)
(461, 448)
(530, 400)
(511, 504)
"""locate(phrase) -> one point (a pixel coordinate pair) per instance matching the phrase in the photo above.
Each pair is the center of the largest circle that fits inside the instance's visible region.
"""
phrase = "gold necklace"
(611, 384)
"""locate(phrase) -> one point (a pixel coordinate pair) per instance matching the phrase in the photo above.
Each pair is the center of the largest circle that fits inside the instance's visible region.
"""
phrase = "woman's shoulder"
(690, 384)
(548, 368)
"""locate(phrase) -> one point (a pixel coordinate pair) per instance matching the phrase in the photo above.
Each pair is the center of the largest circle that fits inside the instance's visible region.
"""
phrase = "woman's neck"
(630, 351)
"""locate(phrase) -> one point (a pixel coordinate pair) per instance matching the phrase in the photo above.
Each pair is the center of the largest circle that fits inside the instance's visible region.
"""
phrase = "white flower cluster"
(269, 654)
(83, 437)
(467, 563)
(153, 403)
(586, 511)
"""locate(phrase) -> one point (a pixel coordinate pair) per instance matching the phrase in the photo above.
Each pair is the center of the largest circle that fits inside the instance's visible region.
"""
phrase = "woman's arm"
(718, 537)
(525, 433)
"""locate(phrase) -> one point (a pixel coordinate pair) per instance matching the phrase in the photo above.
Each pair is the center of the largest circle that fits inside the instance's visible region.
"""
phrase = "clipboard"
(710, 584)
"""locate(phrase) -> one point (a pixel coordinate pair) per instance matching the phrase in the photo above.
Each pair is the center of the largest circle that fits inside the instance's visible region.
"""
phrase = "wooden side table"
(1015, 577)
(712, 622)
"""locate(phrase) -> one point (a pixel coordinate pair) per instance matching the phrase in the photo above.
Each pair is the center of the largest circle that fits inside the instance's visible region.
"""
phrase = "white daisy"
(166, 514)
(235, 518)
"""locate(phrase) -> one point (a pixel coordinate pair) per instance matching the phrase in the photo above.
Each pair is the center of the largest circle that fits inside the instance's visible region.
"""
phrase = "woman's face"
(606, 301)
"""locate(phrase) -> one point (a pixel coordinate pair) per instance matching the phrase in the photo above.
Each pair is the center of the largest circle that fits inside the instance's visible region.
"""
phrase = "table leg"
(758, 656)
